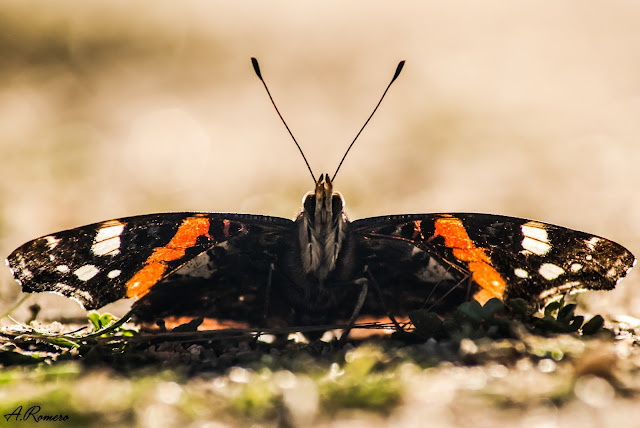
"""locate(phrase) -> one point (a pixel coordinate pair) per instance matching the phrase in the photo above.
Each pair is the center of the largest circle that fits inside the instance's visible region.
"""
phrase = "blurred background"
(118, 108)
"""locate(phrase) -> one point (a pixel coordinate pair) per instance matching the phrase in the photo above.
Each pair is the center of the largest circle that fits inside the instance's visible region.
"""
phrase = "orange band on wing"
(156, 265)
(484, 274)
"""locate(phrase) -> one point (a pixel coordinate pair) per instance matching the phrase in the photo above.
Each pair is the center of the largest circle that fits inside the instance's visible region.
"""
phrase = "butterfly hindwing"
(488, 256)
(128, 257)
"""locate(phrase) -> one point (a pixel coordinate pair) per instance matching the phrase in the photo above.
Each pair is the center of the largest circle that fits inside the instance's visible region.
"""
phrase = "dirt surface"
(473, 376)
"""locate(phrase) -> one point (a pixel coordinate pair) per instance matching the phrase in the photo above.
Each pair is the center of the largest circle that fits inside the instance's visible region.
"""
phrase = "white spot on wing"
(86, 272)
(62, 268)
(575, 267)
(536, 247)
(21, 268)
(535, 230)
(52, 241)
(107, 240)
(550, 271)
(536, 239)
(521, 273)
(591, 243)
(109, 247)
(114, 273)
(107, 232)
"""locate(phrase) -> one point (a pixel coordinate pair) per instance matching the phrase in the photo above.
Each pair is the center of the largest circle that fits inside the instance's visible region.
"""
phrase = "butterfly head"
(323, 207)
(321, 227)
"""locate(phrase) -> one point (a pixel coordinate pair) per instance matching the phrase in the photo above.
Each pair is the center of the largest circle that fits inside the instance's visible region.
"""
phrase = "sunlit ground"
(111, 109)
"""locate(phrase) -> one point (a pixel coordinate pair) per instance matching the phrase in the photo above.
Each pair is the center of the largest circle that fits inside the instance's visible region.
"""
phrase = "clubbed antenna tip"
(256, 68)
(393, 79)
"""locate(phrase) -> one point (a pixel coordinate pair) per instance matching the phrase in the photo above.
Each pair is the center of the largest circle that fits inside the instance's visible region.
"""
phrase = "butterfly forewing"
(103, 262)
(447, 258)
(543, 260)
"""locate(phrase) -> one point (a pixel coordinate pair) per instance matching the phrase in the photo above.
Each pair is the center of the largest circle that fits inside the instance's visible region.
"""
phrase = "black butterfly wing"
(220, 265)
(445, 259)
(175, 263)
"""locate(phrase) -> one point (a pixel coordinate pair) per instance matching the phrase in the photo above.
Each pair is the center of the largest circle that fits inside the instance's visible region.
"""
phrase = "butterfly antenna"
(393, 79)
(256, 68)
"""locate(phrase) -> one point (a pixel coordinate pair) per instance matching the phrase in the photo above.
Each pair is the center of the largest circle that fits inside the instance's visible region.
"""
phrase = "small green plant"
(108, 325)
(470, 319)
(496, 319)
(361, 383)
(559, 318)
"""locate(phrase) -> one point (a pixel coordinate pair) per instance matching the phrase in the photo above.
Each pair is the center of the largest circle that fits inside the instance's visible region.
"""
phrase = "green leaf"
(451, 326)
(575, 323)
(491, 308)
(427, 323)
(551, 308)
(469, 312)
(94, 318)
(566, 312)
(105, 319)
(593, 326)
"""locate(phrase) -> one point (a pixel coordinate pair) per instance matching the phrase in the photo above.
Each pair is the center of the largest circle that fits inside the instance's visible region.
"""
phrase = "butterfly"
(319, 268)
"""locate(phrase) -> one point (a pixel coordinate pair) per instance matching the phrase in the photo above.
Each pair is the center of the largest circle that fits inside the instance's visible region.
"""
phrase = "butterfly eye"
(336, 205)
(310, 205)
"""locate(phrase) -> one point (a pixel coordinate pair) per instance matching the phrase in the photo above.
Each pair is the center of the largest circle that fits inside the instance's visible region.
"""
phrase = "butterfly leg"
(358, 307)
(267, 294)
(376, 287)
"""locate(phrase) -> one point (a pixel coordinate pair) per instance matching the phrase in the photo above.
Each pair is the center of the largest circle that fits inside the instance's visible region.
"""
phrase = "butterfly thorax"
(321, 229)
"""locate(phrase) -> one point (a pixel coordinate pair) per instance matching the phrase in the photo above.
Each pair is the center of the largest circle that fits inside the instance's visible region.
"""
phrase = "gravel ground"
(532, 380)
